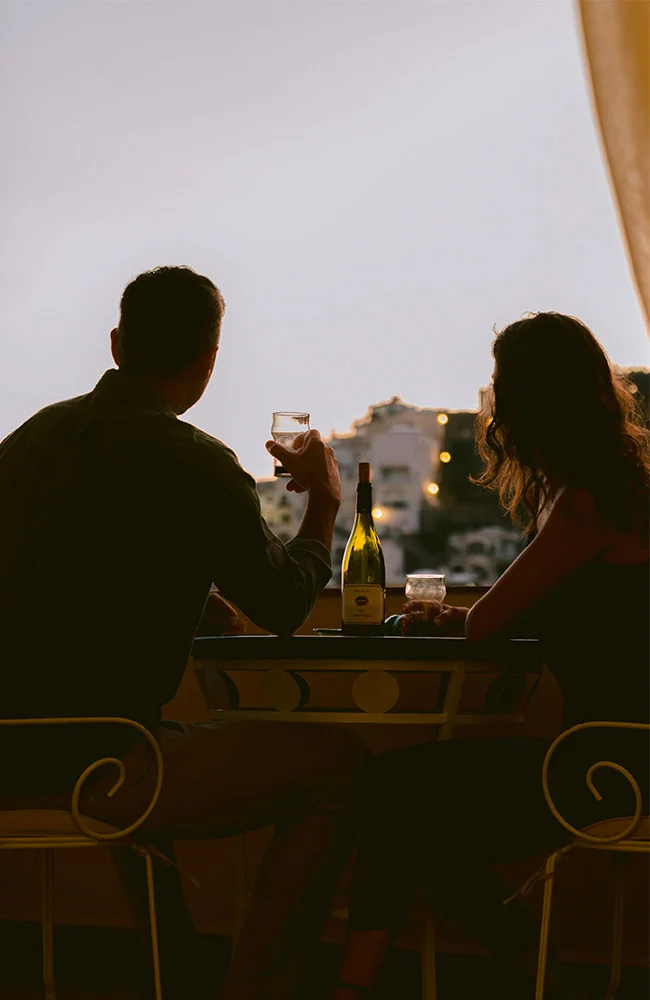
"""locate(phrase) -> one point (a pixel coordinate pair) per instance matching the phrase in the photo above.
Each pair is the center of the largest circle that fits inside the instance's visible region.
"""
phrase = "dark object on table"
(396, 625)
(393, 625)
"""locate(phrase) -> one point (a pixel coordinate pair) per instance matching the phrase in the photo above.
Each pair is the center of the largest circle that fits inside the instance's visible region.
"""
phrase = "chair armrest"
(76, 793)
(583, 834)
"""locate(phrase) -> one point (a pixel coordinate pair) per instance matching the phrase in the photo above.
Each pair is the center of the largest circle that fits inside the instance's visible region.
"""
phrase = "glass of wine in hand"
(286, 427)
(424, 588)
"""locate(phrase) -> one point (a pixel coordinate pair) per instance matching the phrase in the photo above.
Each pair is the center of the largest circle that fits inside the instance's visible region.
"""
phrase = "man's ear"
(114, 347)
(211, 358)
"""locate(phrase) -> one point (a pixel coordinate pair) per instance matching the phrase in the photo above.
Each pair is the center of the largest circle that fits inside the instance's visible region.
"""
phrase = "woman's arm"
(571, 535)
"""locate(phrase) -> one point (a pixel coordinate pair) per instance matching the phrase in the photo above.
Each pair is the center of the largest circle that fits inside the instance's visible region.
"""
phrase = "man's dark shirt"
(115, 519)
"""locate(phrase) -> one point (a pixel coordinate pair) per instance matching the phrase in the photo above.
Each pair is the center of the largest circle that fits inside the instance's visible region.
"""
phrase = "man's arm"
(318, 519)
(314, 470)
(275, 585)
(220, 618)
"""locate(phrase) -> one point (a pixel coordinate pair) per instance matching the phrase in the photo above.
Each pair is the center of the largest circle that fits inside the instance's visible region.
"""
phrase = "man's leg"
(313, 846)
(226, 779)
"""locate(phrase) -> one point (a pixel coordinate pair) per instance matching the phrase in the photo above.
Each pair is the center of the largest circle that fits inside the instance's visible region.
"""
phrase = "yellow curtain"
(617, 43)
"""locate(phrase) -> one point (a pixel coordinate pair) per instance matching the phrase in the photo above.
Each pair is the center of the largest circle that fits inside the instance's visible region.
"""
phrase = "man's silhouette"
(116, 517)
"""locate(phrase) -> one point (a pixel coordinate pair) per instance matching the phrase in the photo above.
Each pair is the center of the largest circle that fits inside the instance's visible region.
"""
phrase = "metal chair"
(47, 830)
(620, 836)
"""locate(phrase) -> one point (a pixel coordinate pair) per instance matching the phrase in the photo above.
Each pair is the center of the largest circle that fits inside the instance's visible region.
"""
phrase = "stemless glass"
(425, 588)
(285, 429)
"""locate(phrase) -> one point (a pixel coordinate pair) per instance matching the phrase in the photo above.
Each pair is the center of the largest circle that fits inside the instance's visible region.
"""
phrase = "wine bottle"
(363, 575)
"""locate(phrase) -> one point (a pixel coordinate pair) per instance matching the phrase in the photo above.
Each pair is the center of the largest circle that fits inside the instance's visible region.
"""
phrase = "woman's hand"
(220, 617)
(443, 618)
(451, 621)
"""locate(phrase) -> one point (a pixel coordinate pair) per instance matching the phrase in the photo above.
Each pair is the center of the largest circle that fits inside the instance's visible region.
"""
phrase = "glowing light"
(433, 488)
(442, 418)
(377, 513)
(445, 456)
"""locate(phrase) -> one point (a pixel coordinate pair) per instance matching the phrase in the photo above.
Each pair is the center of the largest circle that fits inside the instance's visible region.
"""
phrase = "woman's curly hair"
(560, 412)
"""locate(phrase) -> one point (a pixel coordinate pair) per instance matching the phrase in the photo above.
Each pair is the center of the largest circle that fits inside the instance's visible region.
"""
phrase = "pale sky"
(371, 184)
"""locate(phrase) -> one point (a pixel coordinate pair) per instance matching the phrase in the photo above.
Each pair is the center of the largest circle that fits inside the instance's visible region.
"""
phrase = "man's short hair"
(168, 317)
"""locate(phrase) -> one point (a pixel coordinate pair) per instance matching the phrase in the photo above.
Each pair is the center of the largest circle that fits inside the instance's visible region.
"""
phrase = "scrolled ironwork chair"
(47, 830)
(620, 836)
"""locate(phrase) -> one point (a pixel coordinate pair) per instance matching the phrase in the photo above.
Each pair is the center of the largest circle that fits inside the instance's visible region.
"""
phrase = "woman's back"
(596, 631)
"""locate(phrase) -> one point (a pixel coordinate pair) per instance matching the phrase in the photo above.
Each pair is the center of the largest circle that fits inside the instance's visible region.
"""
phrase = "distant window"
(396, 504)
(476, 547)
(395, 473)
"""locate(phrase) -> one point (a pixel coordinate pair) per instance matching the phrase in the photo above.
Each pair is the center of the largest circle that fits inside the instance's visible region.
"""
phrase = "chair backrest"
(626, 830)
(74, 807)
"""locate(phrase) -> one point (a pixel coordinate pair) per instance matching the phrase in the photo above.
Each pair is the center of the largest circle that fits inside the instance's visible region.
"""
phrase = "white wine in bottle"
(363, 575)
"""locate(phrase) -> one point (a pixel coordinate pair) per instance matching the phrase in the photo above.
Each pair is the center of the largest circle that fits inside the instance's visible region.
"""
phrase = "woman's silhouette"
(564, 444)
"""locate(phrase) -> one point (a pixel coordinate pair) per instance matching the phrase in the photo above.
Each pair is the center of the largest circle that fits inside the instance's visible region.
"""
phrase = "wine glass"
(426, 588)
(285, 429)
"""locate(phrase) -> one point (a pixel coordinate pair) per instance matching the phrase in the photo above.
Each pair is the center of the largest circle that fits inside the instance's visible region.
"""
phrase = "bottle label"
(363, 604)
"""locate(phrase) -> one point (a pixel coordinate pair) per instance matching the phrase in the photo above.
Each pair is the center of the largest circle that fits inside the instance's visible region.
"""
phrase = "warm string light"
(433, 488)
(445, 456)
(442, 418)
(377, 513)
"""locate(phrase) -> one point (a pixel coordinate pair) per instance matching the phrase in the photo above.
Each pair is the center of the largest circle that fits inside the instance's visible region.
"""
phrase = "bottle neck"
(364, 499)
